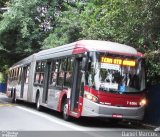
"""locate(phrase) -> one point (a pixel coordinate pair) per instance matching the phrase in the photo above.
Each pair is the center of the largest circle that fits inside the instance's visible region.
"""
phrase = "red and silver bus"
(88, 78)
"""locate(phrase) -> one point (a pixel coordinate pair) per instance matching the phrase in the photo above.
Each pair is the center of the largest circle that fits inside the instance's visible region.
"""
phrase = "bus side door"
(24, 82)
(76, 84)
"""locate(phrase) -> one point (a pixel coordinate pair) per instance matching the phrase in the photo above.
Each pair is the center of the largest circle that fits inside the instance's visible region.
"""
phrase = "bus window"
(19, 75)
(37, 78)
(61, 72)
(38, 67)
(27, 74)
(43, 66)
(54, 72)
(68, 73)
(10, 75)
(119, 74)
(13, 74)
(39, 74)
(41, 78)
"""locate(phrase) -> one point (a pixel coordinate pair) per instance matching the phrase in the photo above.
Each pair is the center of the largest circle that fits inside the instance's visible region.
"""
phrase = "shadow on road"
(85, 122)
(88, 122)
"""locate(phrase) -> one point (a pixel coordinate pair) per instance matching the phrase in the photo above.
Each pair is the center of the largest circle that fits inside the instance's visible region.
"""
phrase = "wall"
(152, 113)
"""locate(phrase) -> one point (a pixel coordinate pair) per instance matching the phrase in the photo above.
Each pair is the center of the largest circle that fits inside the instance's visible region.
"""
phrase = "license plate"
(117, 116)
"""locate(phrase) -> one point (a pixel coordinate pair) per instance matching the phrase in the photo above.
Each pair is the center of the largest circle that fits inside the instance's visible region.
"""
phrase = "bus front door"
(75, 91)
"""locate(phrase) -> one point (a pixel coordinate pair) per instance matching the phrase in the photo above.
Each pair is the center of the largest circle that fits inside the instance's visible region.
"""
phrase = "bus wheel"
(14, 97)
(65, 111)
(38, 106)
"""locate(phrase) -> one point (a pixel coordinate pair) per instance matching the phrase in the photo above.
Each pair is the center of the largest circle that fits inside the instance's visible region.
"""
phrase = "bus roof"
(88, 45)
(106, 46)
(81, 47)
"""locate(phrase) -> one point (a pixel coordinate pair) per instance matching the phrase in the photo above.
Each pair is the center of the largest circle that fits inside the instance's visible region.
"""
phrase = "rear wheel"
(38, 106)
(14, 97)
(65, 111)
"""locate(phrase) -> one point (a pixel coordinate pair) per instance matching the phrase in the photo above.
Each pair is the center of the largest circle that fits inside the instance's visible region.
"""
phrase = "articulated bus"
(88, 78)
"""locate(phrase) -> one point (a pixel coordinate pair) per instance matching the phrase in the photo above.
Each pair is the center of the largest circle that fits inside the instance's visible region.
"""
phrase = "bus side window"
(54, 72)
(61, 72)
(15, 75)
(11, 75)
(39, 74)
(27, 74)
(43, 66)
(19, 75)
(41, 78)
(68, 73)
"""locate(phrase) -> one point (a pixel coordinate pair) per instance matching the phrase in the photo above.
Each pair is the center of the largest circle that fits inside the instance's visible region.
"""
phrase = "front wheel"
(65, 111)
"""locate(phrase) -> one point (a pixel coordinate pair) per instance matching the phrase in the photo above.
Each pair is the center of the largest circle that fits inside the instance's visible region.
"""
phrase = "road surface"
(23, 119)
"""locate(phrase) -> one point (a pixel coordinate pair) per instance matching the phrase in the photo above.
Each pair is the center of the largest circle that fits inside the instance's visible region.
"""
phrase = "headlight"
(91, 97)
(143, 102)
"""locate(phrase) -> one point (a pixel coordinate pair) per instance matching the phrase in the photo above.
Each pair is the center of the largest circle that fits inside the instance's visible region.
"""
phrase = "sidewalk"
(1, 93)
(150, 126)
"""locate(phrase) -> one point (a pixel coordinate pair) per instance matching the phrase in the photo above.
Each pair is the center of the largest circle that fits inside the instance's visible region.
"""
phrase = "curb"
(154, 128)
(2, 93)
(149, 126)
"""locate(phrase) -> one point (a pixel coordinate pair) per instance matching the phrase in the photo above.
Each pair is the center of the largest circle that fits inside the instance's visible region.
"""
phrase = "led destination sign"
(130, 63)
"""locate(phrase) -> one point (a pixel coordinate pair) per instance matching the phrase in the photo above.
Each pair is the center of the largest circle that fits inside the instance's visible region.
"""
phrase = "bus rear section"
(111, 86)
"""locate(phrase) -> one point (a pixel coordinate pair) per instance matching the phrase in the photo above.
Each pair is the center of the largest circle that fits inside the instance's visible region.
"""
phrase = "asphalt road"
(23, 119)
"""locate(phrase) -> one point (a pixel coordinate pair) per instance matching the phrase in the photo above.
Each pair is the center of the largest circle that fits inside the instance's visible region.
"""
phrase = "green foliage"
(2, 79)
(135, 23)
(20, 34)
(67, 28)
(3, 3)
(3, 73)
(131, 22)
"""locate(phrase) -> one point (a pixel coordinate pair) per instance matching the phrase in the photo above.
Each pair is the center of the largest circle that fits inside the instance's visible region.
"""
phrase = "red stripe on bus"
(114, 99)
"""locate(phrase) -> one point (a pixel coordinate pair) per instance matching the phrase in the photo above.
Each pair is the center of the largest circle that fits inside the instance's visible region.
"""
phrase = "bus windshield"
(115, 73)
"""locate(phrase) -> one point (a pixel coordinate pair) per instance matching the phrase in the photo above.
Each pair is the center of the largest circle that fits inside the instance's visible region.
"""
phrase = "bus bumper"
(91, 109)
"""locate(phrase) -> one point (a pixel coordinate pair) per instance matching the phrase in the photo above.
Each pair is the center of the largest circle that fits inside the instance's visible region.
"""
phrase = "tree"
(25, 29)
(135, 23)
(68, 27)
(20, 31)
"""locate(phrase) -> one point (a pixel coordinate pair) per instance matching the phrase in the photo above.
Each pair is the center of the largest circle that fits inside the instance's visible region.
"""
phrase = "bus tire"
(14, 96)
(65, 111)
(38, 106)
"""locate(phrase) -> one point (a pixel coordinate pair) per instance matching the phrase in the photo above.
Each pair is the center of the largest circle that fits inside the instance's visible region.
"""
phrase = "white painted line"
(58, 121)
(61, 122)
